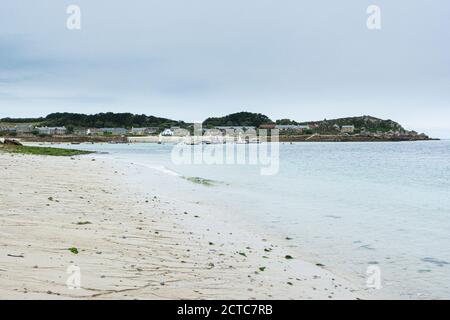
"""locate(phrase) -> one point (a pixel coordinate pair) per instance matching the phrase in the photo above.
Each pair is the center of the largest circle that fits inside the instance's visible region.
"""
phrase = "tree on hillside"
(238, 119)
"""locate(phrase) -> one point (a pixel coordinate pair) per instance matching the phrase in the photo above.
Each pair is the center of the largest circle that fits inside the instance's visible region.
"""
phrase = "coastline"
(135, 242)
(168, 139)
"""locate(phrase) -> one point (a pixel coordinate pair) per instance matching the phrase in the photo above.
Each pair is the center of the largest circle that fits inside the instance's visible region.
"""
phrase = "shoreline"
(134, 243)
(157, 139)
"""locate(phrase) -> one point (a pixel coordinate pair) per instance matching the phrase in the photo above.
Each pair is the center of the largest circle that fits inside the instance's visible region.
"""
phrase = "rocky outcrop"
(353, 138)
(11, 142)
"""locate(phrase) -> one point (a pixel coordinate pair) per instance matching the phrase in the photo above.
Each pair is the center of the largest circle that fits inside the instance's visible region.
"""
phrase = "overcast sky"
(190, 59)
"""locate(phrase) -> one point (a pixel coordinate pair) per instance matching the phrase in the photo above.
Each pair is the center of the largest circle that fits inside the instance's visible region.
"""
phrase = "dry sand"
(137, 245)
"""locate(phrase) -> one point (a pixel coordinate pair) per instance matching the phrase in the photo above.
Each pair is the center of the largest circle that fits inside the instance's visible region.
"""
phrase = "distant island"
(118, 127)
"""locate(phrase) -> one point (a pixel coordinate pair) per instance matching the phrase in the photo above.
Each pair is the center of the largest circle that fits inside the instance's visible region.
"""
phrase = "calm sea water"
(347, 205)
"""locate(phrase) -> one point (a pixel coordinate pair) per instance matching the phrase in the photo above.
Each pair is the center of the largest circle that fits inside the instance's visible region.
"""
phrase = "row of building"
(121, 131)
(172, 131)
(288, 127)
(28, 129)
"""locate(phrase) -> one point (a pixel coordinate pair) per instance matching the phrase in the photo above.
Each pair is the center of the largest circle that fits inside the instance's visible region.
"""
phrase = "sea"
(360, 208)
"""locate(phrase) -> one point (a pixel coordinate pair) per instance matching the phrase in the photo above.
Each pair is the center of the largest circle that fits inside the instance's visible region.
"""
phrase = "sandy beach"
(134, 242)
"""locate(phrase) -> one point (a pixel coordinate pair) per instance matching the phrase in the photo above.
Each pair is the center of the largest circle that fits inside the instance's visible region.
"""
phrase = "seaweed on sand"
(202, 181)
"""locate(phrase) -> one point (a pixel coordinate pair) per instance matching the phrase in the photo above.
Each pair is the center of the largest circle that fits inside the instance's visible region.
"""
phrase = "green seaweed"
(73, 250)
(44, 151)
(202, 181)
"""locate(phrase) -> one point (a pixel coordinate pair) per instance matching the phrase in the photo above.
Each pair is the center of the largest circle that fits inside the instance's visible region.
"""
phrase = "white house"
(106, 131)
(143, 131)
(348, 129)
(52, 130)
(167, 133)
(24, 128)
(180, 132)
(138, 131)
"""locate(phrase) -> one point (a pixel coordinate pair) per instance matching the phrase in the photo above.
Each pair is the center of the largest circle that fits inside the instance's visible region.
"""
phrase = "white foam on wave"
(159, 168)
